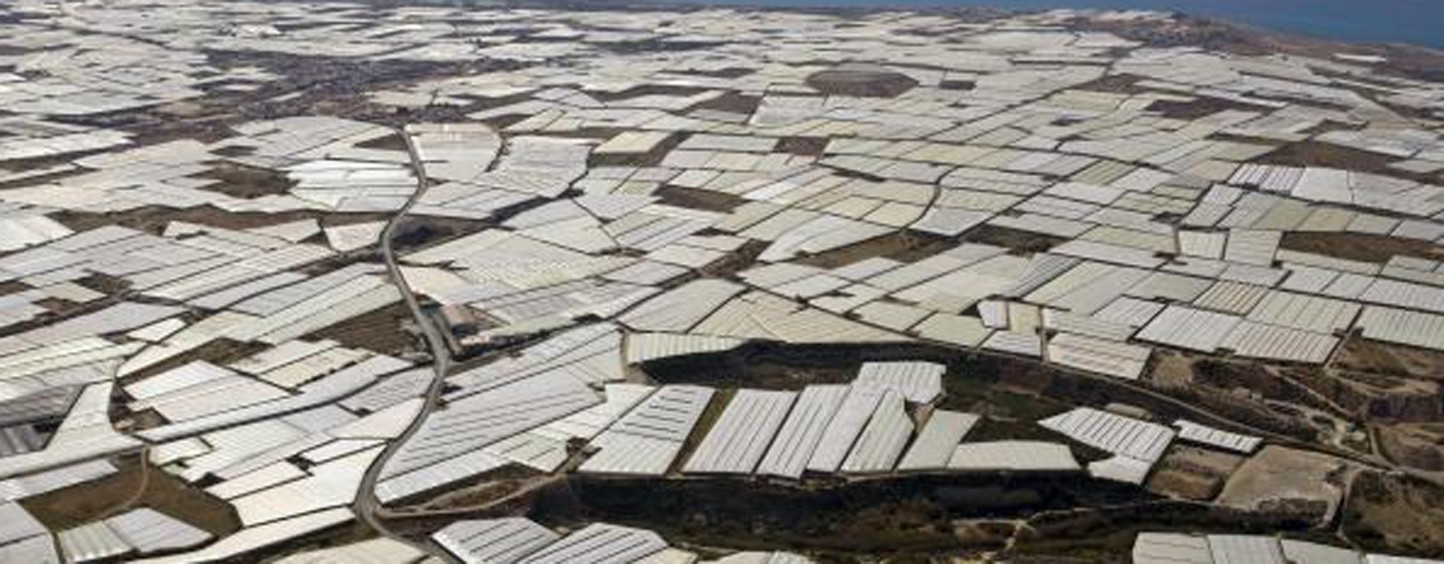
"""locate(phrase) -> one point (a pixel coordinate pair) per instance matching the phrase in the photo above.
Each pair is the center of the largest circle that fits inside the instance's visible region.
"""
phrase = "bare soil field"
(1397, 360)
(1359, 246)
(1316, 153)
(381, 331)
(1020, 242)
(862, 81)
(905, 246)
(1396, 514)
(1284, 480)
(244, 181)
(1416, 445)
(154, 219)
(1171, 370)
(1195, 473)
(1198, 107)
(123, 491)
(692, 198)
(806, 146)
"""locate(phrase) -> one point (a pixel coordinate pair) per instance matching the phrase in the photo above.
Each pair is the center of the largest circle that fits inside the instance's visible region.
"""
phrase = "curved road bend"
(366, 503)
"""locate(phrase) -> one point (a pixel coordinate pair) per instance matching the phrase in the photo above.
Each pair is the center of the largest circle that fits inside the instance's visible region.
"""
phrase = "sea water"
(1420, 22)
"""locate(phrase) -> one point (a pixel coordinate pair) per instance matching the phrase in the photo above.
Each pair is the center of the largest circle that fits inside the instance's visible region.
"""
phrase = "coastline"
(964, 8)
(1406, 60)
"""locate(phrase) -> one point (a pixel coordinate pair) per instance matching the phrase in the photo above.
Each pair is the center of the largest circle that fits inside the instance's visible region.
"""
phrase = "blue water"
(1420, 22)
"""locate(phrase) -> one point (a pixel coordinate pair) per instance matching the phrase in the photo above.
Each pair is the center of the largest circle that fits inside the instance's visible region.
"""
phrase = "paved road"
(366, 504)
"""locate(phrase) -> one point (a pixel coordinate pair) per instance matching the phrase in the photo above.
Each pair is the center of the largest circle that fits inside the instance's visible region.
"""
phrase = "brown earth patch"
(387, 143)
(902, 245)
(698, 199)
(736, 261)
(861, 81)
(1367, 356)
(1200, 106)
(1390, 513)
(153, 219)
(382, 331)
(1359, 246)
(117, 493)
(1189, 472)
(244, 181)
(804, 146)
(733, 102)
(1171, 369)
(1115, 83)
(1416, 445)
(1320, 154)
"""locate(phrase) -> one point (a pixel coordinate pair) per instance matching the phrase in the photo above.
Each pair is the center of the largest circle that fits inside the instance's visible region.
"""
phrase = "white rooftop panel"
(937, 441)
(599, 543)
(1258, 340)
(679, 309)
(380, 550)
(742, 434)
(17, 524)
(481, 419)
(1385, 559)
(802, 431)
(1113, 358)
(667, 414)
(1188, 328)
(149, 531)
(1302, 311)
(493, 541)
(33, 550)
(1302, 552)
(1023, 456)
(646, 347)
(251, 539)
(917, 382)
(92, 541)
(622, 453)
(1114, 433)
(1252, 247)
(1245, 549)
(1171, 548)
(437, 475)
(1198, 433)
(844, 427)
(956, 329)
(1025, 344)
(882, 441)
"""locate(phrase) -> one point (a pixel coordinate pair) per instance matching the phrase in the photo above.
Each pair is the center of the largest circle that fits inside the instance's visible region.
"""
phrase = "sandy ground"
(83, 503)
(1172, 369)
(1289, 481)
(1193, 473)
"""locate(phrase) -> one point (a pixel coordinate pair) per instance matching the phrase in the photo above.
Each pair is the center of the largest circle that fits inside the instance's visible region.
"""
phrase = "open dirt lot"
(1285, 480)
(1193, 473)
(128, 489)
